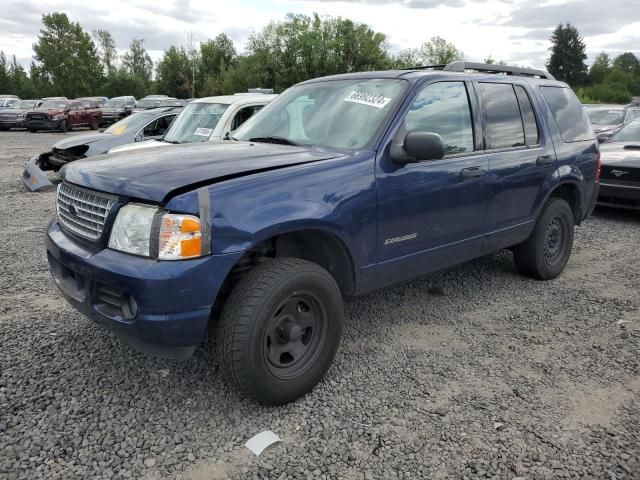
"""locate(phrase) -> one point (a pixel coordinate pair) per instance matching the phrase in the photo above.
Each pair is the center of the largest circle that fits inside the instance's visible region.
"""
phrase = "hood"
(14, 110)
(620, 153)
(81, 140)
(154, 173)
(139, 145)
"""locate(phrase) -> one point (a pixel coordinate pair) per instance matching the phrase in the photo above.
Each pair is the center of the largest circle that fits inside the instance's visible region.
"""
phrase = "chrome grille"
(83, 212)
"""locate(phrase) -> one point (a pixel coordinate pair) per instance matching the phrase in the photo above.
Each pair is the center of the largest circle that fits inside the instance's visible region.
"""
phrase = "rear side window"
(503, 124)
(531, 133)
(568, 114)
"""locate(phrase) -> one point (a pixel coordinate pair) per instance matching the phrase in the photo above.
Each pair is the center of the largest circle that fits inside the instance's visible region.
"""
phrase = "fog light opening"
(129, 306)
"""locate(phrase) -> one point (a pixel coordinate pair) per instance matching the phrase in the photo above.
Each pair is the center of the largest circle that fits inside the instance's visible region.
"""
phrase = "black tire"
(64, 126)
(282, 309)
(94, 124)
(31, 130)
(546, 252)
(4, 129)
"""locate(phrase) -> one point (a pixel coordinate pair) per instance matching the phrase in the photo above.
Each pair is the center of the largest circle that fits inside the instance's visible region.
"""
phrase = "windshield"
(115, 103)
(606, 116)
(24, 104)
(195, 123)
(132, 123)
(340, 113)
(53, 104)
(148, 103)
(629, 133)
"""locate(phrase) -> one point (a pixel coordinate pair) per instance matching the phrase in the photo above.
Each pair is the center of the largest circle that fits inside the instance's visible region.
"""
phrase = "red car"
(63, 115)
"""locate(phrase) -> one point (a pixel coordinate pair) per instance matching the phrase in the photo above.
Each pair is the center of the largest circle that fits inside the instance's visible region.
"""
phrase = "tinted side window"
(503, 125)
(244, 114)
(568, 113)
(443, 108)
(531, 133)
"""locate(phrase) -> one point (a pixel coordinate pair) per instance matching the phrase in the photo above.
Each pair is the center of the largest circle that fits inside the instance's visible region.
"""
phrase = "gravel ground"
(475, 372)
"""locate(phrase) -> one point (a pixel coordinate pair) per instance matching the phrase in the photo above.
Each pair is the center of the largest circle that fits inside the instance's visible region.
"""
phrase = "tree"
(628, 63)
(303, 47)
(568, 55)
(407, 58)
(4, 74)
(438, 51)
(137, 61)
(174, 73)
(600, 68)
(216, 56)
(66, 56)
(106, 48)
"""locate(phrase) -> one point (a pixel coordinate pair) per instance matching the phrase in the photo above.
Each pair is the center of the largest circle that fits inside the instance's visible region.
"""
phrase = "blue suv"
(340, 186)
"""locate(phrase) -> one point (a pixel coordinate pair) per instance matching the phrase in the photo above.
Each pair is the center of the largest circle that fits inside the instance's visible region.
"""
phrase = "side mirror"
(602, 137)
(227, 136)
(139, 137)
(418, 147)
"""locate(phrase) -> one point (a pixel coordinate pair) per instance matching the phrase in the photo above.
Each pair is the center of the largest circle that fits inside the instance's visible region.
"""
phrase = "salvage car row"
(204, 119)
(63, 114)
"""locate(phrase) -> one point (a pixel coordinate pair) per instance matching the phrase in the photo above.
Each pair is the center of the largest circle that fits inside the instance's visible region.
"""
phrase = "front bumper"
(619, 194)
(109, 118)
(42, 124)
(17, 123)
(172, 299)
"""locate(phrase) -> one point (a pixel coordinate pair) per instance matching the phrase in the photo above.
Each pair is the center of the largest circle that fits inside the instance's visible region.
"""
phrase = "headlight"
(179, 236)
(132, 229)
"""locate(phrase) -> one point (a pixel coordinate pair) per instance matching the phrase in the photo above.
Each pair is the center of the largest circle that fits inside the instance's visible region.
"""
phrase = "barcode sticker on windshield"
(203, 132)
(366, 98)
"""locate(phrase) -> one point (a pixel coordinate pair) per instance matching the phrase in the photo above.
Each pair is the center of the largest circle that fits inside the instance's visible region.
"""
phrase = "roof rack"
(488, 68)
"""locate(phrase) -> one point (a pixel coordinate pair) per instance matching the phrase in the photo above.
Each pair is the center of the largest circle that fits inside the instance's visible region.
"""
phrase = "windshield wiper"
(274, 139)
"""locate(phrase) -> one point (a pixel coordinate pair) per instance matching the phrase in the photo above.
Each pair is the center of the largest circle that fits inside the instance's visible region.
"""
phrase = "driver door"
(432, 214)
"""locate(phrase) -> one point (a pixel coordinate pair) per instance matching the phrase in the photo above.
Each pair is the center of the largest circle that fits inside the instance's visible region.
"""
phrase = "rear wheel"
(94, 124)
(64, 126)
(546, 252)
(280, 329)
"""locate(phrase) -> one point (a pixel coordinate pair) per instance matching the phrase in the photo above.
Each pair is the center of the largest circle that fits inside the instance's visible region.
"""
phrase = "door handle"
(471, 173)
(544, 160)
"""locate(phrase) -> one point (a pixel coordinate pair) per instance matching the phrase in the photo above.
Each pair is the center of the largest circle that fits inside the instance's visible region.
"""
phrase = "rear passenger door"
(520, 156)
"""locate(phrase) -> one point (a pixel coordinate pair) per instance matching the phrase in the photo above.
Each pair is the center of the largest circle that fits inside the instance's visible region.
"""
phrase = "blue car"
(340, 186)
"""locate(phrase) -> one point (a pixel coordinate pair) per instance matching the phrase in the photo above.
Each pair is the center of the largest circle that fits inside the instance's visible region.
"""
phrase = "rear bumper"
(172, 300)
(619, 195)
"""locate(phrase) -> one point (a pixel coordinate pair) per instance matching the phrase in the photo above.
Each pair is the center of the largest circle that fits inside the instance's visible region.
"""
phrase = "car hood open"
(154, 173)
(81, 140)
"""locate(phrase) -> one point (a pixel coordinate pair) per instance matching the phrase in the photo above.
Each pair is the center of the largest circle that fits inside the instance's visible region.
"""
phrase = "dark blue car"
(340, 186)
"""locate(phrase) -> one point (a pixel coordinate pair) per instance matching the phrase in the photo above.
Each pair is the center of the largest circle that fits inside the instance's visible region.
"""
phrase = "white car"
(207, 119)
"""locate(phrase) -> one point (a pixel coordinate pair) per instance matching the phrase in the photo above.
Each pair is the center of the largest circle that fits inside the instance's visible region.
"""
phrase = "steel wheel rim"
(554, 241)
(295, 333)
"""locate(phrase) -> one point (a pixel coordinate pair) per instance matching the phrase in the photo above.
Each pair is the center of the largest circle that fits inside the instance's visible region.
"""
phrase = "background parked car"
(153, 101)
(92, 102)
(117, 108)
(608, 119)
(45, 99)
(13, 116)
(62, 115)
(207, 119)
(620, 177)
(135, 128)
(7, 100)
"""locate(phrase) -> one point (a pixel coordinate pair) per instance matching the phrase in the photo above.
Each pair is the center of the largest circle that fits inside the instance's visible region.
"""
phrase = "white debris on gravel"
(420, 369)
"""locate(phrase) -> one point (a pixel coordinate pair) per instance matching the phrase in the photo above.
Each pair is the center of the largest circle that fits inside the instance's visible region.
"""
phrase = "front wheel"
(94, 124)
(546, 252)
(64, 126)
(280, 329)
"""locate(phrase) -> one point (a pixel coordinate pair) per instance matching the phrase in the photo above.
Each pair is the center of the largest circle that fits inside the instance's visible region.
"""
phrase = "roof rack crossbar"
(460, 66)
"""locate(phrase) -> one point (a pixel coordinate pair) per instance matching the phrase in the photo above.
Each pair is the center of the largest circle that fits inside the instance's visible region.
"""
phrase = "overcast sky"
(516, 31)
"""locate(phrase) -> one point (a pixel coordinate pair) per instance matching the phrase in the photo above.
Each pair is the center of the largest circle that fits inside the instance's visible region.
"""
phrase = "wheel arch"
(569, 191)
